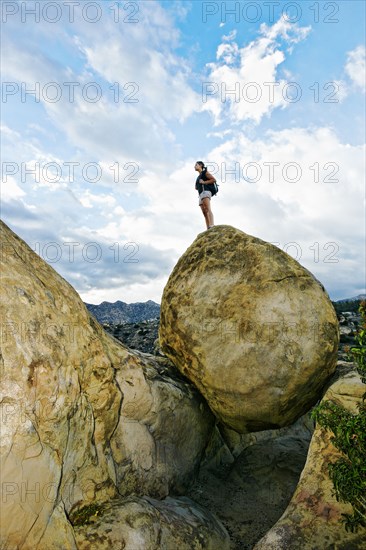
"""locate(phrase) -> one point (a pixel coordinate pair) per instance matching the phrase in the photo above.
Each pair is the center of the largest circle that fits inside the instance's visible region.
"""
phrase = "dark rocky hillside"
(349, 304)
(349, 323)
(141, 336)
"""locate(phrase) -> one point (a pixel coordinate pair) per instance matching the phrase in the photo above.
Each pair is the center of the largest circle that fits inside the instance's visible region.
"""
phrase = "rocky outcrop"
(313, 519)
(83, 419)
(141, 336)
(163, 428)
(250, 327)
(349, 323)
(145, 523)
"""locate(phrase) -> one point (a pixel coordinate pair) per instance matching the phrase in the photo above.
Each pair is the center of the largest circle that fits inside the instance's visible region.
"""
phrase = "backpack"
(212, 187)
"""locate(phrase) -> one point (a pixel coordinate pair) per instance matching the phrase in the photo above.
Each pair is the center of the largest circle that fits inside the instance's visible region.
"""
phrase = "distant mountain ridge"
(121, 313)
(354, 299)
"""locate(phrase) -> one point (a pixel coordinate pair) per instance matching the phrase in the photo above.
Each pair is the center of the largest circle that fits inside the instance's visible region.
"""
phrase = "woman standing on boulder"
(207, 188)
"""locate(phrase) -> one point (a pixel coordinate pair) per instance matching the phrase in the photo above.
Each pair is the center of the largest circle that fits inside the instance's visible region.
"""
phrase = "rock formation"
(312, 520)
(162, 430)
(98, 442)
(148, 524)
(249, 485)
(85, 421)
(250, 327)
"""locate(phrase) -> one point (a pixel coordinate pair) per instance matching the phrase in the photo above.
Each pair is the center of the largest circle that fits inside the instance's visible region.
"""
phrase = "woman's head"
(199, 165)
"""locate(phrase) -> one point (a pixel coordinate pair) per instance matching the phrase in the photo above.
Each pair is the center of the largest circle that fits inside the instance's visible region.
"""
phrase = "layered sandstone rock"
(83, 419)
(250, 327)
(313, 519)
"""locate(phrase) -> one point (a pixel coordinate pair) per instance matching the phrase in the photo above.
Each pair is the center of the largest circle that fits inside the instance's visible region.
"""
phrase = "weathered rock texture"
(312, 520)
(162, 430)
(145, 523)
(250, 327)
(83, 419)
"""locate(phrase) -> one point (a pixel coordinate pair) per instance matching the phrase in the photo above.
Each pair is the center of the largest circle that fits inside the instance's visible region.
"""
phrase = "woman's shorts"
(204, 195)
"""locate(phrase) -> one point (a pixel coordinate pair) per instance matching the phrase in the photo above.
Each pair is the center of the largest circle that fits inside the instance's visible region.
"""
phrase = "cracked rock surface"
(250, 327)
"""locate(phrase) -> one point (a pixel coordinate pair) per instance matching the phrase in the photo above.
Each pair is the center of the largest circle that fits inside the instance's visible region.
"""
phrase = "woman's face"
(198, 167)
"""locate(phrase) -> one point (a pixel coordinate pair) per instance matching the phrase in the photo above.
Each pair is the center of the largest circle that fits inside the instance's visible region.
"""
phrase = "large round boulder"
(250, 327)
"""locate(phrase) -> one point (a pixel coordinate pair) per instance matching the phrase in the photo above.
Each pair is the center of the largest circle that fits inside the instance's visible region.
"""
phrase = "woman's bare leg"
(210, 214)
(207, 212)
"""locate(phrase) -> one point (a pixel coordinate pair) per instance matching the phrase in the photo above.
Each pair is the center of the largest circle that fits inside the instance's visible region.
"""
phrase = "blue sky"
(97, 161)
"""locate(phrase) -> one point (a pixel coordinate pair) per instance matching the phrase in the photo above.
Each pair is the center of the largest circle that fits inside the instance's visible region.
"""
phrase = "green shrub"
(359, 352)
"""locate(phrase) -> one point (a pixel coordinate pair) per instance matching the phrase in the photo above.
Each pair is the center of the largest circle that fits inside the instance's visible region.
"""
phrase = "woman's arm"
(210, 179)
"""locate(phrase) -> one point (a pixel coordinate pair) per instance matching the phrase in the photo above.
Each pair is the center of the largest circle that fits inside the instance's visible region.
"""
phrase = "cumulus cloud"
(141, 81)
(150, 212)
(355, 67)
(11, 190)
(243, 83)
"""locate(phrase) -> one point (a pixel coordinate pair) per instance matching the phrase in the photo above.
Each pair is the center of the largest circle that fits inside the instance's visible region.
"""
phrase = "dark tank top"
(202, 176)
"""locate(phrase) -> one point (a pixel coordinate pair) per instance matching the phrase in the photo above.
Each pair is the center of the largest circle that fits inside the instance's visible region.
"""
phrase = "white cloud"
(341, 90)
(137, 60)
(9, 133)
(10, 190)
(29, 66)
(355, 67)
(230, 36)
(159, 212)
(291, 32)
(143, 54)
(227, 52)
(88, 199)
(243, 83)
